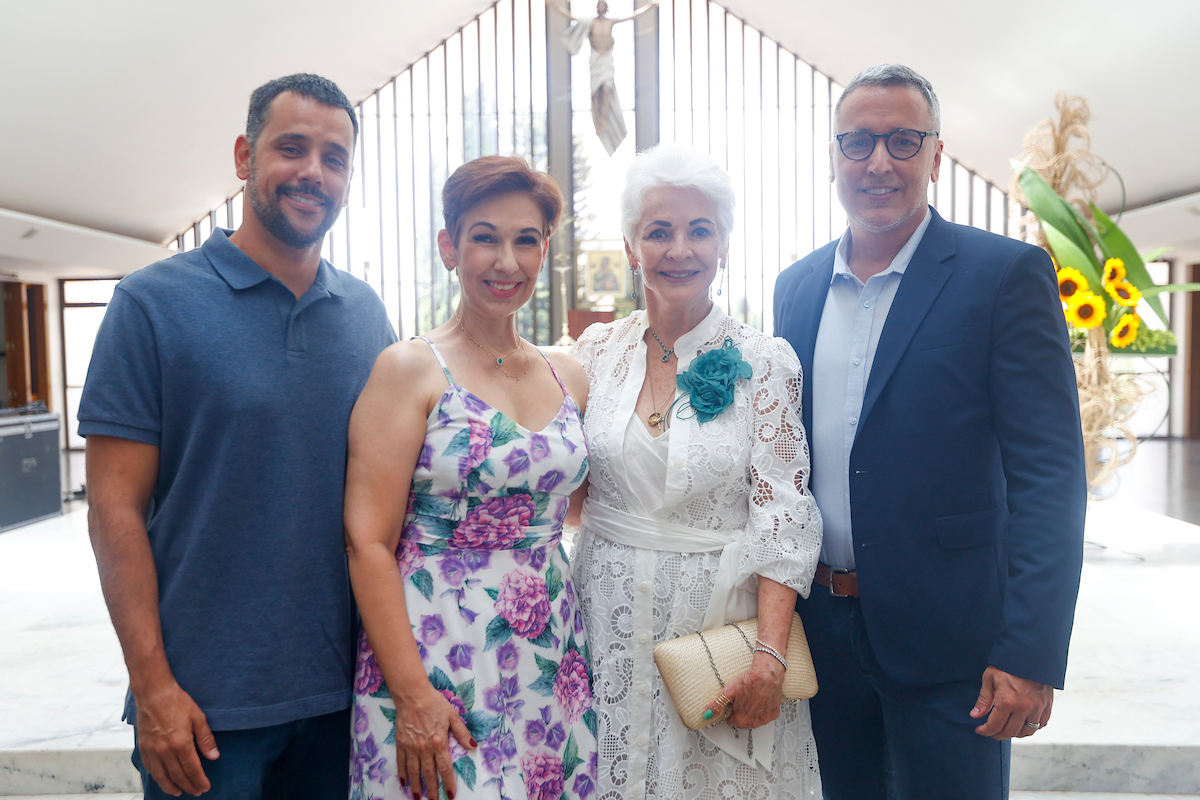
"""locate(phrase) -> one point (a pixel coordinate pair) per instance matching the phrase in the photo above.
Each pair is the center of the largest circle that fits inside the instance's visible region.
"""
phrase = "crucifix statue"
(606, 108)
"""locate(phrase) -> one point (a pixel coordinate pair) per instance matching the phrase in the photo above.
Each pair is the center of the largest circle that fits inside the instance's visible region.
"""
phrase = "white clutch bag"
(695, 668)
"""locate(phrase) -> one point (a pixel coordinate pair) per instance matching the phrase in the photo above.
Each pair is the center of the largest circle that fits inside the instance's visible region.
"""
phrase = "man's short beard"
(271, 217)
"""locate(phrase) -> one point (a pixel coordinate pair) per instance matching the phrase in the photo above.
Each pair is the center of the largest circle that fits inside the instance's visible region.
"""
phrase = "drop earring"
(633, 282)
(720, 276)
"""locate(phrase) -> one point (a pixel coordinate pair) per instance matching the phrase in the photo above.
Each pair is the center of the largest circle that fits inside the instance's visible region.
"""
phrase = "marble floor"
(1129, 720)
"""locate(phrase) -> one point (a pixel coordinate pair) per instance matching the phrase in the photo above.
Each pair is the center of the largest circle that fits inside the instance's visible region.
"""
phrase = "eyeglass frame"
(875, 137)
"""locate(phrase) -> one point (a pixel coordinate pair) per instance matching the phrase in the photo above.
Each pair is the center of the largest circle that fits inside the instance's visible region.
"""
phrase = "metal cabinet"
(30, 479)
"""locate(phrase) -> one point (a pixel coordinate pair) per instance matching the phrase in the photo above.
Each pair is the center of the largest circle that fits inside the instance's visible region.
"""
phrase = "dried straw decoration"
(1060, 154)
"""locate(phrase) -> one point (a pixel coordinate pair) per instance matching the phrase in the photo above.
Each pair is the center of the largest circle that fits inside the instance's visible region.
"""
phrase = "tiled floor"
(1132, 705)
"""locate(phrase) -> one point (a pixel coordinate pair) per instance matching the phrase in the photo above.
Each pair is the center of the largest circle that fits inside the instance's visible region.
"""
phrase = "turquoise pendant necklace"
(666, 352)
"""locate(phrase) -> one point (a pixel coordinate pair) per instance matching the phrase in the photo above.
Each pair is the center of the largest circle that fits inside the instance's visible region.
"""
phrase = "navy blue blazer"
(967, 484)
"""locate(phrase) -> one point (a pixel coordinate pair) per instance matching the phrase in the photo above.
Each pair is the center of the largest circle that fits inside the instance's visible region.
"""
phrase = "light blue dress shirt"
(851, 322)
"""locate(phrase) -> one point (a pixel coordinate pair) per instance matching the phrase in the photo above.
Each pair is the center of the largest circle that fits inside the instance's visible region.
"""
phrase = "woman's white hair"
(676, 165)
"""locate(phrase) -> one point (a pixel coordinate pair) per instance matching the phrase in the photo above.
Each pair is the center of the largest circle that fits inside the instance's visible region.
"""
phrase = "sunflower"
(1124, 292)
(1126, 330)
(1070, 283)
(1114, 270)
(1087, 311)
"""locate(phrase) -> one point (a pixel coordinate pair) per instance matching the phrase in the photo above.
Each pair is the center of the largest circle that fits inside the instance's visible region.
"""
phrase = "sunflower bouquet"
(1101, 276)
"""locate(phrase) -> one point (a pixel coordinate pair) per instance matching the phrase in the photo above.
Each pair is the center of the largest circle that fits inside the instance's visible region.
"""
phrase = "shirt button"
(857, 361)
(866, 304)
(636, 791)
(643, 638)
(644, 586)
(678, 463)
(639, 741)
(643, 689)
(854, 420)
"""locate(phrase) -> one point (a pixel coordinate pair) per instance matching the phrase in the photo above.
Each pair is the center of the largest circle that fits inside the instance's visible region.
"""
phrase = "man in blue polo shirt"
(216, 409)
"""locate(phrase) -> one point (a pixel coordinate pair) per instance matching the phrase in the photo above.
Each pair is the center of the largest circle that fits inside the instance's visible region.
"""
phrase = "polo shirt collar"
(841, 264)
(241, 272)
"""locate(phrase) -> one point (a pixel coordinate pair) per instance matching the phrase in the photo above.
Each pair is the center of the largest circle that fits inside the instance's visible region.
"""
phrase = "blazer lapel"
(807, 307)
(923, 280)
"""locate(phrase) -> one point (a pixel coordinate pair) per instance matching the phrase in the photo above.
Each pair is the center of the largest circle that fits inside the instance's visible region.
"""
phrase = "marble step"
(1039, 772)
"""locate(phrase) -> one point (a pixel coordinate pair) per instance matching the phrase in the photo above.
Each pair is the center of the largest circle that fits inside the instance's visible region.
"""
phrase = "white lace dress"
(746, 472)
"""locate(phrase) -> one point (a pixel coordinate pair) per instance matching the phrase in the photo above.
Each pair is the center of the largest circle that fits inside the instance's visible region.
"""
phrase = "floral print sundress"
(492, 606)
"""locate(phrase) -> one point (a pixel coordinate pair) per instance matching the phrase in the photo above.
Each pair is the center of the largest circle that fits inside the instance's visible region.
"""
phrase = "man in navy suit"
(941, 407)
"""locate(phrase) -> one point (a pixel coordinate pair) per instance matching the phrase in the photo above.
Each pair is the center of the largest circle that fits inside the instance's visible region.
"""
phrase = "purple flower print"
(534, 557)
(507, 657)
(453, 570)
(361, 722)
(572, 689)
(461, 656)
(474, 404)
(475, 560)
(364, 760)
(467, 614)
(578, 621)
(535, 732)
(560, 508)
(555, 736)
(553, 478)
(524, 603)
(425, 459)
(493, 759)
(432, 629)
(479, 446)
(497, 523)
(543, 774)
(539, 447)
(368, 677)
(454, 701)
(409, 557)
(507, 744)
(517, 461)
(504, 697)
(584, 785)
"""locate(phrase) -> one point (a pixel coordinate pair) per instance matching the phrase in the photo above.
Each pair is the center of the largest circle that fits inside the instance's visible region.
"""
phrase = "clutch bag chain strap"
(720, 680)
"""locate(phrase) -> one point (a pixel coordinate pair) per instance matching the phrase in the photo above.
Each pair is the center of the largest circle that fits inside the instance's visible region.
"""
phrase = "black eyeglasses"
(902, 144)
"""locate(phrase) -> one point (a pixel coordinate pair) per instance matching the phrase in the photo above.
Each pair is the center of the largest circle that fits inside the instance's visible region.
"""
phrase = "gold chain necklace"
(657, 419)
(498, 360)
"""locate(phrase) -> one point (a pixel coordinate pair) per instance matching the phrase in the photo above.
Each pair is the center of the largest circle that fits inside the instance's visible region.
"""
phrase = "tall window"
(84, 302)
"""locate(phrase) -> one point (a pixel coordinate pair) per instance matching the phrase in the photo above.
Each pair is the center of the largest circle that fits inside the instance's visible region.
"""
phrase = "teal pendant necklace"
(666, 352)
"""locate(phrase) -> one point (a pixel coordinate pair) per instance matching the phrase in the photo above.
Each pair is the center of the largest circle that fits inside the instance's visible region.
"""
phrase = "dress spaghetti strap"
(554, 372)
(438, 355)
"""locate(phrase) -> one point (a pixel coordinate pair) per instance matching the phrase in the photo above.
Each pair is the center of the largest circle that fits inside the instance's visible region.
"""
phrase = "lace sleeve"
(584, 349)
(783, 537)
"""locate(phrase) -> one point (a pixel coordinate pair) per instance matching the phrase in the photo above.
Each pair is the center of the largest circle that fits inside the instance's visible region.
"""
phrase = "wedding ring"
(1034, 725)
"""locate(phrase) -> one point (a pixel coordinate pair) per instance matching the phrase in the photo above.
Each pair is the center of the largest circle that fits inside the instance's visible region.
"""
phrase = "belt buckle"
(837, 571)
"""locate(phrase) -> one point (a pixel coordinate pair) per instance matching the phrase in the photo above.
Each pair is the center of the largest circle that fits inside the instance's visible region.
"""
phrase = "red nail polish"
(474, 743)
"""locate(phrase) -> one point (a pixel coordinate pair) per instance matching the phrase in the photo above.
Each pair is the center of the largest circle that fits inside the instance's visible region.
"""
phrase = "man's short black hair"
(320, 89)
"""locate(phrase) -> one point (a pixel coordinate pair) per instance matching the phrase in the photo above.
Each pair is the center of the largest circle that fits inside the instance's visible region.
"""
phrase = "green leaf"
(480, 725)
(525, 544)
(504, 430)
(1135, 268)
(1155, 255)
(541, 501)
(391, 737)
(465, 769)
(430, 505)
(473, 479)
(589, 719)
(498, 632)
(434, 549)
(359, 793)
(440, 680)
(571, 758)
(424, 583)
(466, 693)
(1171, 287)
(1051, 209)
(460, 445)
(554, 581)
(583, 468)
(545, 666)
(388, 713)
(492, 593)
(543, 638)
(543, 686)
(1070, 256)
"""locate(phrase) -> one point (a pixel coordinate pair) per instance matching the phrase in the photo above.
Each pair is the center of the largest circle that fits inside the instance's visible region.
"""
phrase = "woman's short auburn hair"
(485, 177)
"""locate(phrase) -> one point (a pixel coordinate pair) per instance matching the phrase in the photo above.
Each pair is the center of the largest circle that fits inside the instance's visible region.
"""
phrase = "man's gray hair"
(895, 75)
(672, 164)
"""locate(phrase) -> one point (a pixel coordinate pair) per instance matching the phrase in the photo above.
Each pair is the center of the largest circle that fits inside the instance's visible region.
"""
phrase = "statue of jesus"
(606, 108)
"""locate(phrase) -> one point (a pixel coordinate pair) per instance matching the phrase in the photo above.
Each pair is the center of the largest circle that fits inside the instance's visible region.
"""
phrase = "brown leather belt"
(839, 582)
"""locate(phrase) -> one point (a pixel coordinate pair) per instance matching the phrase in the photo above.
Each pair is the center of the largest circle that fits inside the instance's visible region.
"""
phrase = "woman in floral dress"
(698, 511)
(472, 676)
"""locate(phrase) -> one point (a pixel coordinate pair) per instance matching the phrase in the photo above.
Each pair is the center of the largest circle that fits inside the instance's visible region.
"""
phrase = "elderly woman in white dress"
(698, 512)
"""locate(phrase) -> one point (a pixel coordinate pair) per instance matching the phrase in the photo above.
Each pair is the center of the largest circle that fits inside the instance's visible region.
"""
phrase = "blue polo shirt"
(247, 393)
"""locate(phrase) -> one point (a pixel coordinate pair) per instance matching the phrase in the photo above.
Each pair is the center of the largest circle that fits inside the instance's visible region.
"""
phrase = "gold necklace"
(657, 419)
(498, 360)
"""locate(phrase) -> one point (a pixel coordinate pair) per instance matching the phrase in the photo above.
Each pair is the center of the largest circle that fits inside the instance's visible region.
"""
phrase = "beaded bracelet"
(771, 651)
